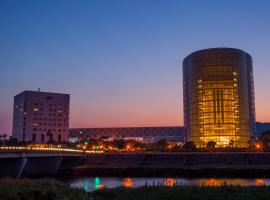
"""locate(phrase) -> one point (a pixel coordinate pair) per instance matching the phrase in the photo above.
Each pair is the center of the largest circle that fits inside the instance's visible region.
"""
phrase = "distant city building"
(262, 127)
(219, 97)
(142, 134)
(41, 116)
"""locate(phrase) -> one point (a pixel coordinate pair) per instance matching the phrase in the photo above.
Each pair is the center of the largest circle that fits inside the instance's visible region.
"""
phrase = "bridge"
(34, 161)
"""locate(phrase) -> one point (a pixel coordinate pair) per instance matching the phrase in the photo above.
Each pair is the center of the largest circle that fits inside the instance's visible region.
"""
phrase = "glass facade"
(219, 97)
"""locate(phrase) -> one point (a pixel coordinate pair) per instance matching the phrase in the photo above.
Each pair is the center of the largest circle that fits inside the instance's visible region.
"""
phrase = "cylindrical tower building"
(219, 97)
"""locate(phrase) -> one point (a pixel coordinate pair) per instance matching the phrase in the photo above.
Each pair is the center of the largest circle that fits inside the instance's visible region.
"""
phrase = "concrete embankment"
(201, 164)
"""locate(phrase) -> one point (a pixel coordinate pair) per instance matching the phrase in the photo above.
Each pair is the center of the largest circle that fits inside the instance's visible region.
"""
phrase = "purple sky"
(120, 60)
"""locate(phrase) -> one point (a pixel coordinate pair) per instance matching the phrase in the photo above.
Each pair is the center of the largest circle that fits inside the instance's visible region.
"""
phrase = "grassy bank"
(42, 189)
(45, 189)
(185, 193)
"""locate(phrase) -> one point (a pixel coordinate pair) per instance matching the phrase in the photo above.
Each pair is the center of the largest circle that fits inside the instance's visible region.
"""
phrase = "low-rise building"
(41, 116)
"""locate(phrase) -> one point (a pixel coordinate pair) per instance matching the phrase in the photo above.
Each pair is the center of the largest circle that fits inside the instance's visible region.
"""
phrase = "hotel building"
(41, 116)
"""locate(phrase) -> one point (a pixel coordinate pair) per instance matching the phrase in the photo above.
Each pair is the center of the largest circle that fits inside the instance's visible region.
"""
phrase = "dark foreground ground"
(52, 190)
(40, 189)
(186, 193)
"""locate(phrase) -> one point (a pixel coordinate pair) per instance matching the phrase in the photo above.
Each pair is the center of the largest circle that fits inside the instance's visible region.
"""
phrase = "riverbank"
(185, 193)
(195, 164)
(47, 189)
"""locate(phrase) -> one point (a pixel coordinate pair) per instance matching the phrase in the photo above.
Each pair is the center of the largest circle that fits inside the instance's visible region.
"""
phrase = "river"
(98, 183)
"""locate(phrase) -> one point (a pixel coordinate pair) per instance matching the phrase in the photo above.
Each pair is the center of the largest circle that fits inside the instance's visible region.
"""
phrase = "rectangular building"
(41, 116)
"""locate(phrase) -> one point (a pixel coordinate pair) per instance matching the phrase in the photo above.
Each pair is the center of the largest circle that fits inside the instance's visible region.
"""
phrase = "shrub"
(185, 193)
(40, 189)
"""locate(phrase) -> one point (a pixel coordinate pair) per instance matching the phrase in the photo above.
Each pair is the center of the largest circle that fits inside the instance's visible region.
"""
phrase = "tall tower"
(219, 97)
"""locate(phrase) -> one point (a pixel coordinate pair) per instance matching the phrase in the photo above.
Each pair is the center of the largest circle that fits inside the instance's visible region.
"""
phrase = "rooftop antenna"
(39, 89)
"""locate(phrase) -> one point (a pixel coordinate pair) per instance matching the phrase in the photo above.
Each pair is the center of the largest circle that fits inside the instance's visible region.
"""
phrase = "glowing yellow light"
(258, 146)
(101, 186)
(84, 147)
(128, 182)
(259, 182)
(40, 147)
(169, 182)
(213, 182)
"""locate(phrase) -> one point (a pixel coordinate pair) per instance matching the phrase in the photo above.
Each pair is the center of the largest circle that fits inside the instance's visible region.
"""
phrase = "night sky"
(121, 60)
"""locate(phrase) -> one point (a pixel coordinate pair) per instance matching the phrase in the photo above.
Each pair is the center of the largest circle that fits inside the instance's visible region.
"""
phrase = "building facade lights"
(219, 97)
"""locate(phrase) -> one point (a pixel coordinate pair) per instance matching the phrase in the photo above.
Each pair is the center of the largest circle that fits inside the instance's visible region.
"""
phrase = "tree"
(119, 144)
(175, 149)
(162, 145)
(211, 144)
(104, 137)
(139, 145)
(13, 141)
(85, 141)
(4, 138)
(189, 146)
(265, 138)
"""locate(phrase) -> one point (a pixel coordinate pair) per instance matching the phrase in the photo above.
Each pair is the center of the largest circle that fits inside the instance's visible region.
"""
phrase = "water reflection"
(213, 182)
(127, 182)
(259, 182)
(169, 182)
(86, 185)
(98, 183)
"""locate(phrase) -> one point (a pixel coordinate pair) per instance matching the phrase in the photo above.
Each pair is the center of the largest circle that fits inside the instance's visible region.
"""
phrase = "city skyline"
(121, 61)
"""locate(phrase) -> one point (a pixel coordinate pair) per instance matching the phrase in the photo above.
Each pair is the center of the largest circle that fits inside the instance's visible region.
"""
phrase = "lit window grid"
(199, 113)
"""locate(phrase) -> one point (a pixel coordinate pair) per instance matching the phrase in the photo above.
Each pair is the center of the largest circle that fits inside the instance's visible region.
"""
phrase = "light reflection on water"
(127, 182)
(169, 182)
(98, 183)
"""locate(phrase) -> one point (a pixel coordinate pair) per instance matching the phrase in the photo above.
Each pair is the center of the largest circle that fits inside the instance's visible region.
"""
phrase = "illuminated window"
(219, 97)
